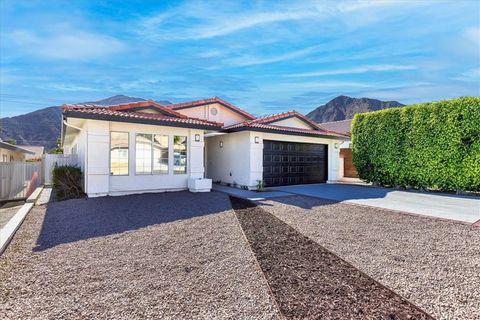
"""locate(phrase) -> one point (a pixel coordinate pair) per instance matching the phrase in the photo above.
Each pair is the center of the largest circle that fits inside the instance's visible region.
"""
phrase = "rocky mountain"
(343, 107)
(42, 127)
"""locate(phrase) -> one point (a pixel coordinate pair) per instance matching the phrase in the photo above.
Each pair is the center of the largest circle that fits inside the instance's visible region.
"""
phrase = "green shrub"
(429, 145)
(67, 182)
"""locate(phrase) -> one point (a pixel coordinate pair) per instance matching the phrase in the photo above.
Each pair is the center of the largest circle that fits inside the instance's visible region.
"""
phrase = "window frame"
(110, 154)
(152, 152)
(168, 154)
(186, 155)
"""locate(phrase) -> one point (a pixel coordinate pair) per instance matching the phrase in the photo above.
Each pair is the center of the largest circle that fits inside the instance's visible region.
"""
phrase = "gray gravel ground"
(156, 256)
(434, 264)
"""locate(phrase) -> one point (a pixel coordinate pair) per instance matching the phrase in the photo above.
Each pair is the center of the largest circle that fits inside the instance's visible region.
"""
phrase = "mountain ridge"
(42, 127)
(345, 107)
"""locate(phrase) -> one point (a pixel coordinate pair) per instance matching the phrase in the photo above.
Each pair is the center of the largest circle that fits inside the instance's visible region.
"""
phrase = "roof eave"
(106, 117)
(305, 134)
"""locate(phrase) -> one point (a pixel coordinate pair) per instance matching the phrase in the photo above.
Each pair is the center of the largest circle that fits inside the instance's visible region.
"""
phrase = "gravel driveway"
(434, 264)
(145, 256)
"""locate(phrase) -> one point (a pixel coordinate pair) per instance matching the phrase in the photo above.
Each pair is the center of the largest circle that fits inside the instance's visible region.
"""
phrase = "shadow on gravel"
(310, 282)
(80, 219)
(299, 201)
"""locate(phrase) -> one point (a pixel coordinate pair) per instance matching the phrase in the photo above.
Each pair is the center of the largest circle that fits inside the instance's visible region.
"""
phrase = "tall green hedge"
(429, 145)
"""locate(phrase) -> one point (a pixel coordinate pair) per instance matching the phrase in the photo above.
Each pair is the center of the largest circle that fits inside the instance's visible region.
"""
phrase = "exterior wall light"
(257, 139)
(221, 144)
(197, 137)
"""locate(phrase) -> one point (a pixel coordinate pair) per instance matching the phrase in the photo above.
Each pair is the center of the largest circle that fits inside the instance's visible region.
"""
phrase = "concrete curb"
(8, 231)
(35, 194)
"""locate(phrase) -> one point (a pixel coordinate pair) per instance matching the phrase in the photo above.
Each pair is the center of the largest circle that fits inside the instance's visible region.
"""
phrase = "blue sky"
(265, 56)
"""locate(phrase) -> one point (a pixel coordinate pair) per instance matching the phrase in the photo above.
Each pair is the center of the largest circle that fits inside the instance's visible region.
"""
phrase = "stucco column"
(195, 154)
(333, 162)
(256, 159)
(98, 171)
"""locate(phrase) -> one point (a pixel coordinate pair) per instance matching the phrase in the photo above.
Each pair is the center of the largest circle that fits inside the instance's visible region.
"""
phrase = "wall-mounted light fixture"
(197, 137)
(257, 139)
(221, 144)
(336, 145)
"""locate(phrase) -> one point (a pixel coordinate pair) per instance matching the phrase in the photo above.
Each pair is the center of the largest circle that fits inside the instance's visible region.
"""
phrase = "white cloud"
(473, 35)
(253, 60)
(469, 75)
(156, 27)
(355, 70)
(65, 44)
(317, 85)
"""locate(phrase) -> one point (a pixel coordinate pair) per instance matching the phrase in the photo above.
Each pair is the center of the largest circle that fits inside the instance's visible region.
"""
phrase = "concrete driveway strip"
(461, 208)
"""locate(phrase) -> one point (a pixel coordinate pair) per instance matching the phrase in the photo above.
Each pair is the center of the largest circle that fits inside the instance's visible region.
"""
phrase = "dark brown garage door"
(287, 163)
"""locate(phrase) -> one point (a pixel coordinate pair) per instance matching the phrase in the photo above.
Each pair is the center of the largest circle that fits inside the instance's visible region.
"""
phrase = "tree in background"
(57, 149)
(10, 141)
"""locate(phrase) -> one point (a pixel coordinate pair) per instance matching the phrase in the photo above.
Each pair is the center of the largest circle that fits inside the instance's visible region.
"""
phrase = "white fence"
(51, 160)
(19, 179)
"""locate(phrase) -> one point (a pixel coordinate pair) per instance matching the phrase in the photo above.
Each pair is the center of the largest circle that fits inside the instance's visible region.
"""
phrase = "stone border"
(35, 194)
(8, 231)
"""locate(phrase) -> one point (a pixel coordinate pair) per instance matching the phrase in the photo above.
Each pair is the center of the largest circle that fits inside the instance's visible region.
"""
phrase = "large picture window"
(118, 153)
(160, 154)
(151, 154)
(180, 154)
(143, 153)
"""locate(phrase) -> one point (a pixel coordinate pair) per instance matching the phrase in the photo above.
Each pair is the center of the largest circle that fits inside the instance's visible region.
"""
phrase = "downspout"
(86, 151)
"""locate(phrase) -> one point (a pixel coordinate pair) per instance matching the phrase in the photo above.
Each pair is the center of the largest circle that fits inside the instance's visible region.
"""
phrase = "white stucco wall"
(292, 122)
(224, 114)
(7, 155)
(240, 160)
(95, 159)
(230, 163)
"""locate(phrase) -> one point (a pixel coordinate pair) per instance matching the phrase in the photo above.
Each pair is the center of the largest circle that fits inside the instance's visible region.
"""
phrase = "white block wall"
(96, 159)
(240, 160)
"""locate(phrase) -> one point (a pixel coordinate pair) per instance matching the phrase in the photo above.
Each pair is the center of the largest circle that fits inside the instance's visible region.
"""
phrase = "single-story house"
(347, 168)
(38, 152)
(148, 147)
(10, 152)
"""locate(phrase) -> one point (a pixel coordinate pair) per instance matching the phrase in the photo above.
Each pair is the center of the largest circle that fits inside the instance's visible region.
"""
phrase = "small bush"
(430, 145)
(67, 182)
(260, 185)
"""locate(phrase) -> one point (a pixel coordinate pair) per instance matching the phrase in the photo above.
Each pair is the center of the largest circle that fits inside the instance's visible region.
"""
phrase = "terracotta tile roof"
(282, 129)
(342, 126)
(190, 104)
(283, 115)
(104, 112)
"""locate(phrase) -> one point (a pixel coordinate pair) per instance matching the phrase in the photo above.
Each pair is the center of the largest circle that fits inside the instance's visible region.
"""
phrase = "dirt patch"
(309, 281)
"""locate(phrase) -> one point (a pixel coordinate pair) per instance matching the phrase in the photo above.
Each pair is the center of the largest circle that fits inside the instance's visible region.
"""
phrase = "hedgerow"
(427, 146)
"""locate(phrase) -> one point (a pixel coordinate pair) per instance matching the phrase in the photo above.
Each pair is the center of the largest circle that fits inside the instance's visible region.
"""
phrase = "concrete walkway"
(446, 206)
(250, 195)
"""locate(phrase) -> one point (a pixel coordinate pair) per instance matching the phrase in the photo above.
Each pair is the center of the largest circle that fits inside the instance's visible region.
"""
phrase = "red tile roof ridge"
(254, 124)
(286, 114)
(210, 100)
(126, 106)
(143, 115)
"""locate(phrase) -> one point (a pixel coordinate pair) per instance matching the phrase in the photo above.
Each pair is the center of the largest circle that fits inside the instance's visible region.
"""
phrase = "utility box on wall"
(199, 185)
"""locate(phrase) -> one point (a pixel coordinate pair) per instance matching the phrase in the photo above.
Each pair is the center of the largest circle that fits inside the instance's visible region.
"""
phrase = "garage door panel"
(286, 163)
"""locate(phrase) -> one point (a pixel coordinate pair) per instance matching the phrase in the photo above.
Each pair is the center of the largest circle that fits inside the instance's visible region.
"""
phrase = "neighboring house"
(37, 150)
(148, 147)
(347, 169)
(10, 152)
